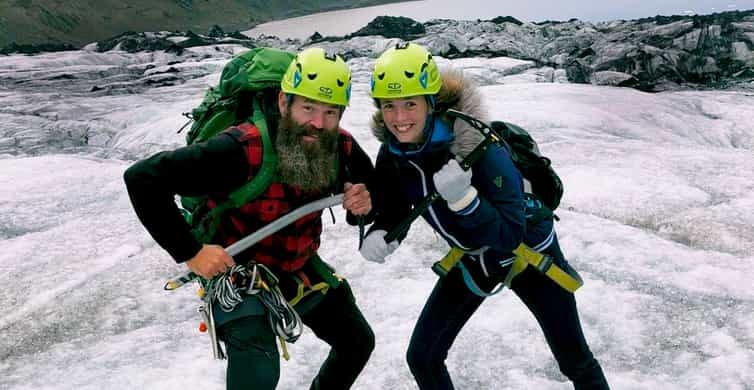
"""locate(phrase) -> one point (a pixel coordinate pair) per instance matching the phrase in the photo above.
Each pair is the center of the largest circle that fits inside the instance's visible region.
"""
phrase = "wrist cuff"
(465, 201)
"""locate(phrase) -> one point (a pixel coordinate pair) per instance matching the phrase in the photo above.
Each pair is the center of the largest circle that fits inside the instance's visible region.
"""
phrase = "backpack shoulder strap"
(266, 173)
(342, 170)
(249, 191)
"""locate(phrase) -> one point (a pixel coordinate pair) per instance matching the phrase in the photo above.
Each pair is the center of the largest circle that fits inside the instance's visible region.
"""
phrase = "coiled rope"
(229, 288)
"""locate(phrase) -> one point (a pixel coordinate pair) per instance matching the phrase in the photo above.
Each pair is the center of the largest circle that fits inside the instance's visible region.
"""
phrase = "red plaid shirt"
(289, 248)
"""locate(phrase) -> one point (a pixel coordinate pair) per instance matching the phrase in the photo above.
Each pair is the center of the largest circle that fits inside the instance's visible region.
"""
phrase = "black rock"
(237, 35)
(316, 37)
(506, 19)
(133, 42)
(34, 49)
(392, 27)
(216, 32)
(578, 72)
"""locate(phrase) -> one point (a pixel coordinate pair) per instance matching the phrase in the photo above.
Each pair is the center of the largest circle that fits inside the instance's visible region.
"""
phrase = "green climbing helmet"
(403, 71)
(318, 75)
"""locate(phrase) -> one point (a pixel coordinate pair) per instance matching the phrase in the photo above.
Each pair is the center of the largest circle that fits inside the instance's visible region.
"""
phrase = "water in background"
(337, 23)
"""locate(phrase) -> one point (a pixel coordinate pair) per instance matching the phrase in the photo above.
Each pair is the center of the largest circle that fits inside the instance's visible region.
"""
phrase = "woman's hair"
(448, 96)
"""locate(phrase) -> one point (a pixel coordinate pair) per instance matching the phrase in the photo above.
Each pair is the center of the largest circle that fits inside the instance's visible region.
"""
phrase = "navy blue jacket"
(497, 221)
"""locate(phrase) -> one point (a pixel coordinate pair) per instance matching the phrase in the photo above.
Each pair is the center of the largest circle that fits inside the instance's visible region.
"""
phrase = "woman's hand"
(454, 185)
(375, 249)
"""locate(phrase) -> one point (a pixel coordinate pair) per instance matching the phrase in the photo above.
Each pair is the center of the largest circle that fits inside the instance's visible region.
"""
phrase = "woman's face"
(405, 117)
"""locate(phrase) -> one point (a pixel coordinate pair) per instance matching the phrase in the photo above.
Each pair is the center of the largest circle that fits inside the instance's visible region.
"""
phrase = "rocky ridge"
(650, 54)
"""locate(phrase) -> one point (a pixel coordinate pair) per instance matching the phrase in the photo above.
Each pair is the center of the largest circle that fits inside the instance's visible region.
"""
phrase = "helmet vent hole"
(340, 83)
(381, 76)
(311, 76)
(408, 74)
(424, 66)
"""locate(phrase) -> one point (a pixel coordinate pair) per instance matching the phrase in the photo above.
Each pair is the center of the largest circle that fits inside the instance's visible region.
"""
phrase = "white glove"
(375, 249)
(454, 185)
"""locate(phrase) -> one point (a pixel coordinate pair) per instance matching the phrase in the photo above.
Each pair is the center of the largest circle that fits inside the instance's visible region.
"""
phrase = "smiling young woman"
(484, 215)
(405, 117)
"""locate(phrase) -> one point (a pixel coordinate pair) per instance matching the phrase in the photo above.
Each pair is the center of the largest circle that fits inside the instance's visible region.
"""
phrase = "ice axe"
(261, 234)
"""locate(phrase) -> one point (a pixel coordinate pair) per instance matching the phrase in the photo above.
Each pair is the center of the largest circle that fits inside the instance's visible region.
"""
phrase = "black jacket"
(215, 167)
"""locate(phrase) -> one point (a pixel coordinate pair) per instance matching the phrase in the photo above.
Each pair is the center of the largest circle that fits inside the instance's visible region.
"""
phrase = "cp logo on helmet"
(395, 73)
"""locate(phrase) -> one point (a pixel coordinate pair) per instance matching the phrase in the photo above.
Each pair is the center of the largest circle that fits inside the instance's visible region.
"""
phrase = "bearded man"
(316, 158)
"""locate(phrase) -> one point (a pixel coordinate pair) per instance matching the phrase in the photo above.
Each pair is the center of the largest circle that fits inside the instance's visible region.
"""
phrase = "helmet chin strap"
(427, 131)
(431, 100)
(288, 100)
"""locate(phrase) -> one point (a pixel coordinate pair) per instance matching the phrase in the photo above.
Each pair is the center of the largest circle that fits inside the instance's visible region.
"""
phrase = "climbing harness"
(566, 277)
(447, 263)
(305, 297)
(249, 281)
(229, 288)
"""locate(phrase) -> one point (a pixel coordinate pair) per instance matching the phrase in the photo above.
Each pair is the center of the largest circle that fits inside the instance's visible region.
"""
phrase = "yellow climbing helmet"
(403, 71)
(318, 75)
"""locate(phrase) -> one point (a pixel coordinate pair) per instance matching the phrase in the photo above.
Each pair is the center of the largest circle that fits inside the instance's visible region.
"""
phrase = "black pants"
(451, 304)
(253, 359)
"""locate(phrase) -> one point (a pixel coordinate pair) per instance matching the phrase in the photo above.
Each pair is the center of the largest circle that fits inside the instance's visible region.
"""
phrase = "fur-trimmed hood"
(457, 93)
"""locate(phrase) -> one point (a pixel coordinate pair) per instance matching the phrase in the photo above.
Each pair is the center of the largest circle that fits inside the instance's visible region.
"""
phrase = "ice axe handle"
(264, 232)
(179, 281)
(402, 228)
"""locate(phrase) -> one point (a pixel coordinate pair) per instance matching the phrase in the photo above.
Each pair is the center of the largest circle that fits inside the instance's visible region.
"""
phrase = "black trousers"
(451, 304)
(253, 358)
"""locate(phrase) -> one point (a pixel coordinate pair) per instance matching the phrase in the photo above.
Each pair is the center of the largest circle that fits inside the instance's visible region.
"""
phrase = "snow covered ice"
(656, 217)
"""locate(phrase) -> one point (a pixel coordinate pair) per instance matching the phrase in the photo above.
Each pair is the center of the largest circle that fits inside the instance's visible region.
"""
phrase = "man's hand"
(356, 199)
(210, 261)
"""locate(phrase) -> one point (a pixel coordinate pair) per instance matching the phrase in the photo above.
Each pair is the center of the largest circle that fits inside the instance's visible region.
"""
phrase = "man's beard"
(310, 166)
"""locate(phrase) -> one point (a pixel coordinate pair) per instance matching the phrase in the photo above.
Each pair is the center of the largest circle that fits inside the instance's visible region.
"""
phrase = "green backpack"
(248, 88)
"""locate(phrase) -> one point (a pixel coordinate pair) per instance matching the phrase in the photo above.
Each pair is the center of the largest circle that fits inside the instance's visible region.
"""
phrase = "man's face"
(307, 142)
(305, 111)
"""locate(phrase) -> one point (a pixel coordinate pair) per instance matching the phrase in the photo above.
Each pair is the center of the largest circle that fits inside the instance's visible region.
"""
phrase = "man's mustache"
(309, 130)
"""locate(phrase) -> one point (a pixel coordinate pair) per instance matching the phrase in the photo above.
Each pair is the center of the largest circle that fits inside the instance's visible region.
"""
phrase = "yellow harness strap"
(284, 347)
(567, 279)
(525, 256)
(303, 291)
(447, 263)
(518, 266)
